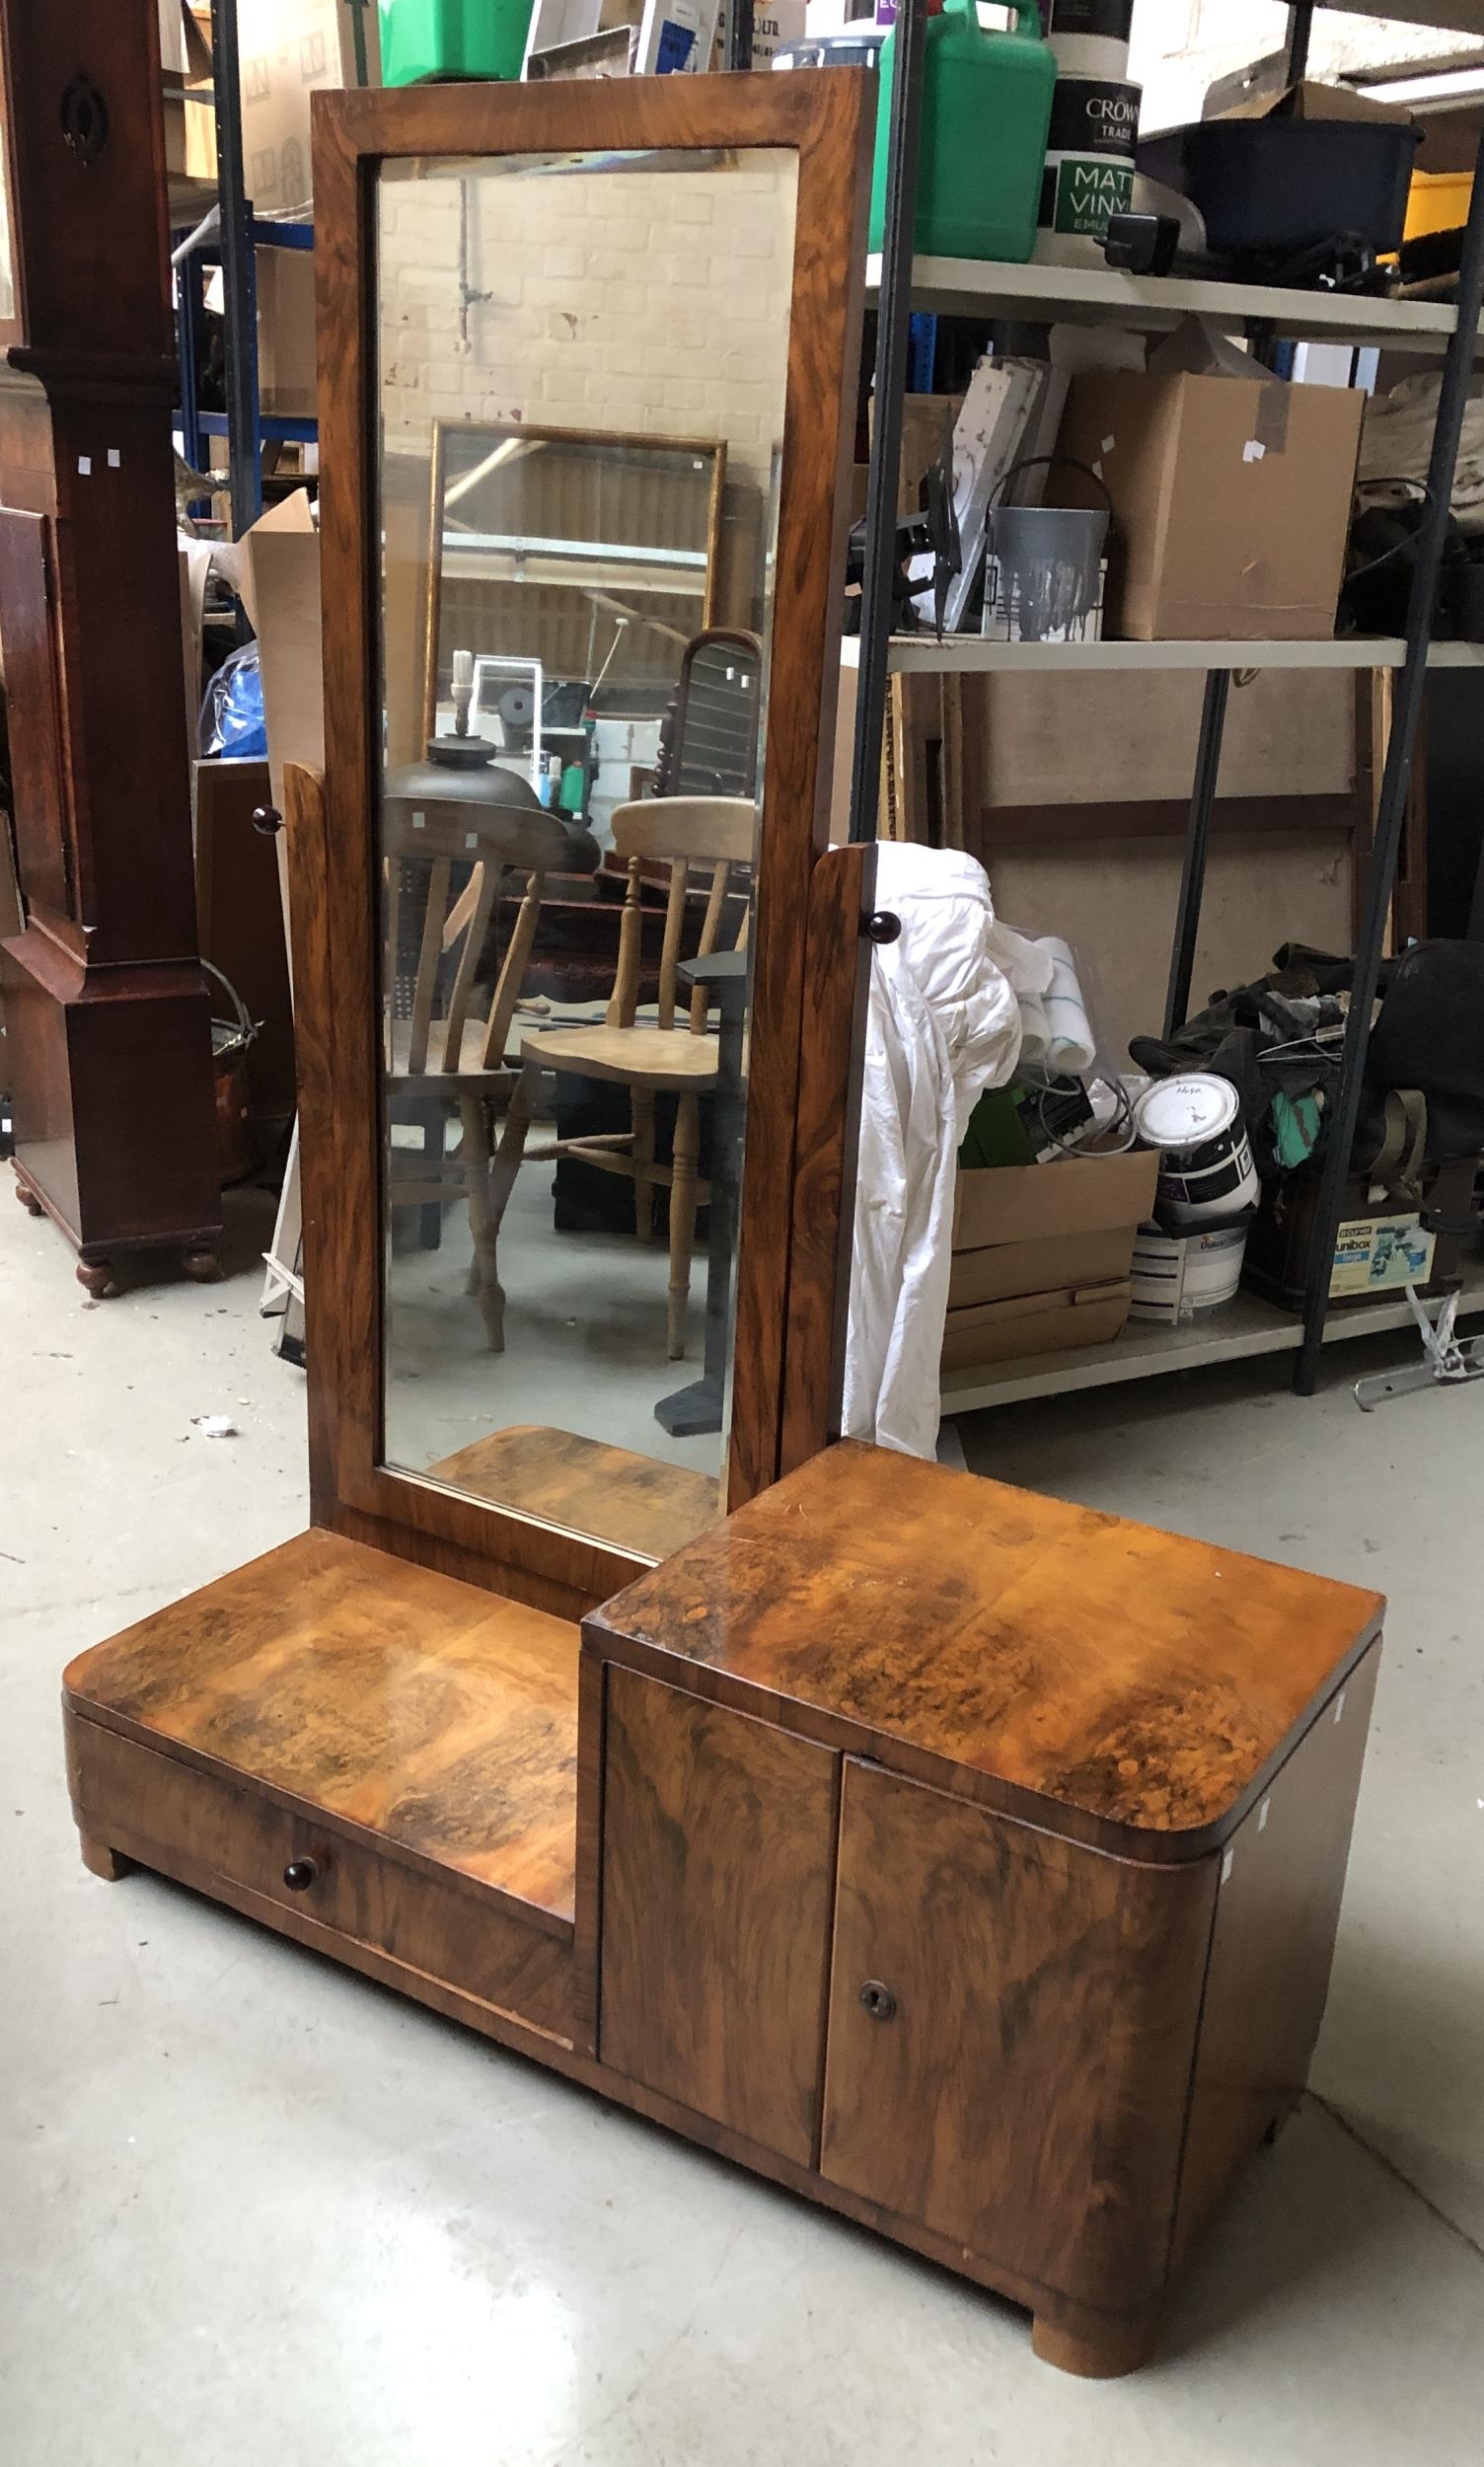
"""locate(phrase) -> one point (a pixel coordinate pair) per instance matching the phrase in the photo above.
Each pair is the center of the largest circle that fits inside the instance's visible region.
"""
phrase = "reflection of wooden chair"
(672, 1055)
(443, 1045)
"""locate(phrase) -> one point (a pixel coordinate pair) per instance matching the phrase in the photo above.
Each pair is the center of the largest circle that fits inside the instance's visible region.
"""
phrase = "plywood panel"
(1110, 738)
(1115, 900)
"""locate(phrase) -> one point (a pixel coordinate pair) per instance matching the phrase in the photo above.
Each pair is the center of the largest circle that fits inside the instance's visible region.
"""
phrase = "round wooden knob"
(266, 819)
(300, 1874)
(882, 926)
(877, 1998)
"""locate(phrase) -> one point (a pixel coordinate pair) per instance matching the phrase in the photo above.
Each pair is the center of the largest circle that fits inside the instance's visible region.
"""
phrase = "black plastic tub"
(1265, 187)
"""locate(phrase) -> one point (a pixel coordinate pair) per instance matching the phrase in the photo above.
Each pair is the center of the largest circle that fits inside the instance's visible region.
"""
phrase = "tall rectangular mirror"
(581, 385)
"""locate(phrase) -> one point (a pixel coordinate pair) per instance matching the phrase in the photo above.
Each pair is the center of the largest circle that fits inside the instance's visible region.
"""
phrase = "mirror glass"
(581, 388)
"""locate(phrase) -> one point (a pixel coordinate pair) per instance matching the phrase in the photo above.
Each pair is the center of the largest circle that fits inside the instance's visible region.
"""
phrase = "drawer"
(225, 1835)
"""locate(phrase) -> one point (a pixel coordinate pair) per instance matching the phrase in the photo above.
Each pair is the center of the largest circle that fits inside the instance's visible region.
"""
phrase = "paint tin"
(1176, 1276)
(1206, 1170)
(1090, 162)
(1090, 38)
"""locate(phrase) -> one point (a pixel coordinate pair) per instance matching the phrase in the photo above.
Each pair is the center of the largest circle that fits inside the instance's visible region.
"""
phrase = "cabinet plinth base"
(99, 1860)
(1096, 2346)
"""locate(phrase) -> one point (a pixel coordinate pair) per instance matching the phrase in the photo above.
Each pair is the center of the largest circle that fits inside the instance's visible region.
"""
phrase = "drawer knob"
(300, 1874)
(877, 1998)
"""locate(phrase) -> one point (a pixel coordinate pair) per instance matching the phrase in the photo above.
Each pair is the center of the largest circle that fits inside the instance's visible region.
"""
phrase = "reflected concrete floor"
(254, 2210)
(585, 1334)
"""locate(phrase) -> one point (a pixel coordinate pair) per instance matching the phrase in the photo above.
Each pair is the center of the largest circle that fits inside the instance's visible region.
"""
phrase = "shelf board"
(1244, 1327)
(922, 654)
(964, 286)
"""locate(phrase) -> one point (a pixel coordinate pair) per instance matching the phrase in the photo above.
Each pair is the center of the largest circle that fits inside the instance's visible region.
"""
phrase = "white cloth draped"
(943, 1024)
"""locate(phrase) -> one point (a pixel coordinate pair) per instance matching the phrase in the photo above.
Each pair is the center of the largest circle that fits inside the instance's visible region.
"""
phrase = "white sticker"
(418, 822)
(113, 458)
(1262, 1814)
(1096, 467)
(85, 466)
(1226, 1865)
(1252, 451)
(1108, 444)
(1340, 1705)
(471, 839)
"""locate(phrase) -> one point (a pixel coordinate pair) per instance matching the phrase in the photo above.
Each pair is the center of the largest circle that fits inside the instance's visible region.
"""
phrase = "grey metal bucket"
(1048, 559)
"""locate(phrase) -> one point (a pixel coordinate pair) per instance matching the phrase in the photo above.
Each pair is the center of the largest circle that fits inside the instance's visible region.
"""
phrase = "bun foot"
(28, 1199)
(1096, 2346)
(96, 1277)
(203, 1267)
(104, 1862)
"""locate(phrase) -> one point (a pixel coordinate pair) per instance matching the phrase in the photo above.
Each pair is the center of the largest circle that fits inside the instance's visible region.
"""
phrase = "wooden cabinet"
(1061, 1805)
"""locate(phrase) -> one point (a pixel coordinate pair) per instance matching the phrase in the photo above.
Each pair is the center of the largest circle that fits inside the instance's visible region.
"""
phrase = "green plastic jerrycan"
(455, 39)
(985, 116)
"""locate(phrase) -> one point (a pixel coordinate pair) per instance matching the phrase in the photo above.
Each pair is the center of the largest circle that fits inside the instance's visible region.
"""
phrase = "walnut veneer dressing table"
(967, 1862)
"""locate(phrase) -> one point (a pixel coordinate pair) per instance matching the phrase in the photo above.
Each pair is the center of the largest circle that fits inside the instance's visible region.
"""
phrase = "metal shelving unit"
(903, 285)
(232, 245)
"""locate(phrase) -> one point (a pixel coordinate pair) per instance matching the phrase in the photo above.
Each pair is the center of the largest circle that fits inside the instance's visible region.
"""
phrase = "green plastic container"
(985, 116)
(455, 39)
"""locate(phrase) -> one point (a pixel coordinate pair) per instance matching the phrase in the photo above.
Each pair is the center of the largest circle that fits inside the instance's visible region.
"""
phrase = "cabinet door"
(1010, 2034)
(717, 1850)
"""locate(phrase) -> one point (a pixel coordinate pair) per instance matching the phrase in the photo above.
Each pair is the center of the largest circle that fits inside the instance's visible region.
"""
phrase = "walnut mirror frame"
(803, 999)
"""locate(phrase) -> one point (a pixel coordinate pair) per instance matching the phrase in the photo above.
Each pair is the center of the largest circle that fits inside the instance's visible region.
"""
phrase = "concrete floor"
(253, 2209)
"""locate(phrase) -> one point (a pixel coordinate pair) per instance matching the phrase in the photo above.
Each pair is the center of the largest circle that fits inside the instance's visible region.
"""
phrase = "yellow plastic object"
(1437, 201)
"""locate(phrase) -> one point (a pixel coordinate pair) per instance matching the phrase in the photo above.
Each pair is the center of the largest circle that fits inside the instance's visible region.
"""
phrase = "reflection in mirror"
(582, 380)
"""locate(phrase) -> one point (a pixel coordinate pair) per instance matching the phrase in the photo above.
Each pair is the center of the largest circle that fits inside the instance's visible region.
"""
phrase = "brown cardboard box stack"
(1041, 1255)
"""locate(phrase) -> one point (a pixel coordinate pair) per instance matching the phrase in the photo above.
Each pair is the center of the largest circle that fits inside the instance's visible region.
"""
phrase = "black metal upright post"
(1407, 713)
(1300, 27)
(739, 34)
(1182, 958)
(239, 275)
(893, 317)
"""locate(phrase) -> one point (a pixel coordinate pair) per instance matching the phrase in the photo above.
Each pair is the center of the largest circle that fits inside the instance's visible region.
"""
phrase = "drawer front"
(1011, 2026)
(192, 1826)
(718, 1849)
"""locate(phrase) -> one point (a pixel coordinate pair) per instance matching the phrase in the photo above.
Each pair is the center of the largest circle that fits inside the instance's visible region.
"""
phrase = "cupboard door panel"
(717, 1854)
(1020, 2086)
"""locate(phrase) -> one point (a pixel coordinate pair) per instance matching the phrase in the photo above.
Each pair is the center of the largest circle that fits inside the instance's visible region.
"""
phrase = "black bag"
(1430, 1036)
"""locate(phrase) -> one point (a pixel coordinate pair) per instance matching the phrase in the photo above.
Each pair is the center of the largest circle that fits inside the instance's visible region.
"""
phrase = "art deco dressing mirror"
(898, 1836)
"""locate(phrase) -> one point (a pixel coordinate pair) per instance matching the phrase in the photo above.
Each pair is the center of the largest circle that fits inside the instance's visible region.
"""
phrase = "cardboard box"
(286, 379)
(1041, 1255)
(1033, 1204)
(1035, 1323)
(1060, 1263)
(186, 72)
(1231, 501)
(288, 49)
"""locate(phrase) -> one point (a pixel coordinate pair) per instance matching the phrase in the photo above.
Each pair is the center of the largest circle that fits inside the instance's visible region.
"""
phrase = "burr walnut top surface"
(1145, 1680)
(439, 1716)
